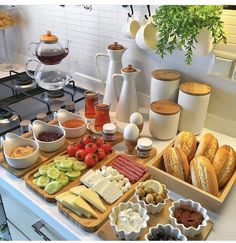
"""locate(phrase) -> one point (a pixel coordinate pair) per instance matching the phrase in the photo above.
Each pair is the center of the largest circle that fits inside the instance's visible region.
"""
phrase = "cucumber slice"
(43, 169)
(37, 174)
(79, 166)
(63, 178)
(42, 181)
(53, 187)
(66, 164)
(53, 173)
(35, 181)
(58, 159)
(73, 175)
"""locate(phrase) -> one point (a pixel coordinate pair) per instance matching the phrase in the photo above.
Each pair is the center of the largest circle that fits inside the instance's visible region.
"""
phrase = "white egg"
(131, 132)
(136, 118)
(125, 180)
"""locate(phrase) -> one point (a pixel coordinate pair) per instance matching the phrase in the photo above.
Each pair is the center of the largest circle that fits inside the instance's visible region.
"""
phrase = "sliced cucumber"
(79, 166)
(53, 187)
(66, 164)
(73, 175)
(35, 181)
(37, 174)
(63, 178)
(43, 169)
(53, 173)
(58, 159)
(42, 181)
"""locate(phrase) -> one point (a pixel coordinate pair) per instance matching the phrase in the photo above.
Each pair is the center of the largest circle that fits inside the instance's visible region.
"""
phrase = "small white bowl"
(152, 208)
(133, 235)
(64, 115)
(168, 229)
(190, 231)
(13, 141)
(40, 126)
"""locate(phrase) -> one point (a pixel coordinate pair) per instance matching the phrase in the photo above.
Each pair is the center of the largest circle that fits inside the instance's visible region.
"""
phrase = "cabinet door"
(15, 233)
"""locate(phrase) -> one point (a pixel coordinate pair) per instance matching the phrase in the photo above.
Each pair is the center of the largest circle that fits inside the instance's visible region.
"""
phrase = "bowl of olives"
(152, 195)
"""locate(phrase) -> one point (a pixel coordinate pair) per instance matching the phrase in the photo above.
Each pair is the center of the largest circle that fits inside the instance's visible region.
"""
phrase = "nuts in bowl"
(152, 195)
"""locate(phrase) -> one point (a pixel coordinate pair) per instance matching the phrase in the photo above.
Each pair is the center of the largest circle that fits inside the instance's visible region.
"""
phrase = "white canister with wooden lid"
(164, 85)
(164, 119)
(194, 99)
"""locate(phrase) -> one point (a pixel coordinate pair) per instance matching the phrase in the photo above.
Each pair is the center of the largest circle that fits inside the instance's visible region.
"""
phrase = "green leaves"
(179, 26)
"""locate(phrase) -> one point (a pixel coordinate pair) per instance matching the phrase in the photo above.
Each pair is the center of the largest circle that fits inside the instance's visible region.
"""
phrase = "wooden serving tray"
(106, 232)
(93, 224)
(157, 169)
(44, 156)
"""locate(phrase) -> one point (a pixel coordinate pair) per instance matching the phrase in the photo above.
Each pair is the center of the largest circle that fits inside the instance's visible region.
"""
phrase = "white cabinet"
(26, 222)
(15, 232)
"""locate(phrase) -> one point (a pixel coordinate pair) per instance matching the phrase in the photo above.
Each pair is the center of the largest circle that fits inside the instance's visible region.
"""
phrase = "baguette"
(187, 142)
(224, 164)
(176, 163)
(203, 175)
(207, 147)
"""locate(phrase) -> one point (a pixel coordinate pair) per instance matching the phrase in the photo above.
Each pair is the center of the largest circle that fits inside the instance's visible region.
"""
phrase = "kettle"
(115, 52)
(49, 51)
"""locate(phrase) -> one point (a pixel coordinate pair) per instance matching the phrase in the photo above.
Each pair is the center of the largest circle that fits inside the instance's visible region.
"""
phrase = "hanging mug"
(131, 28)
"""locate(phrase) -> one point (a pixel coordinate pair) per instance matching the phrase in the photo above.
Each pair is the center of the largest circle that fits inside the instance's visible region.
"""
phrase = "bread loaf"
(187, 142)
(224, 164)
(176, 163)
(203, 175)
(207, 146)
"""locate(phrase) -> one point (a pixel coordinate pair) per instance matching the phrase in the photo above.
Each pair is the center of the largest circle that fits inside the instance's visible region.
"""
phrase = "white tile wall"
(90, 32)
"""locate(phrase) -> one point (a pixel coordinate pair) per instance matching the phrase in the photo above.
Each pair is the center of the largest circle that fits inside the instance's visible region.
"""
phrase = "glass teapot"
(49, 51)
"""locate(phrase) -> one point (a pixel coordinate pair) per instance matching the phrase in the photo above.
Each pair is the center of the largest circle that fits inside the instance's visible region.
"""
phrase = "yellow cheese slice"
(67, 202)
(62, 195)
(84, 207)
(93, 198)
(76, 190)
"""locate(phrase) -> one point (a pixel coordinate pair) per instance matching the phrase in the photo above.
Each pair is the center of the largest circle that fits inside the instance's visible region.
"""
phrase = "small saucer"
(90, 126)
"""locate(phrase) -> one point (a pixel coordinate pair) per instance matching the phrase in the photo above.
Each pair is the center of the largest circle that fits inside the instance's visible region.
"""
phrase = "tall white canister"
(164, 119)
(194, 99)
(164, 85)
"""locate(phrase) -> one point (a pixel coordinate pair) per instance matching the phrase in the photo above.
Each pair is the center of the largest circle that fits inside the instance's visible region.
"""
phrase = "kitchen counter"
(224, 219)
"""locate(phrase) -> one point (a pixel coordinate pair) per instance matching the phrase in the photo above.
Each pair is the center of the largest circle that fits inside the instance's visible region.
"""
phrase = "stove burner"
(7, 116)
(55, 93)
(23, 79)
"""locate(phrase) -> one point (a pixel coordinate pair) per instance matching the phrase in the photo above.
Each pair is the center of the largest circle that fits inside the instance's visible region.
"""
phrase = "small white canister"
(164, 85)
(194, 99)
(164, 119)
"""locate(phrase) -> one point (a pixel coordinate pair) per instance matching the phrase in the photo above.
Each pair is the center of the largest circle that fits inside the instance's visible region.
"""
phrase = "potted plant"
(184, 27)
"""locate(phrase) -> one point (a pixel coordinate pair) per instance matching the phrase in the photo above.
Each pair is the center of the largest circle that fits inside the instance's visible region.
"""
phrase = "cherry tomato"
(71, 150)
(91, 159)
(79, 145)
(106, 147)
(99, 141)
(80, 154)
(101, 154)
(87, 139)
(90, 148)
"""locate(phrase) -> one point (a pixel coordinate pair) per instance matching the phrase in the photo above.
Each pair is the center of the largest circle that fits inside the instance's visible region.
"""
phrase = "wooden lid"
(166, 74)
(165, 107)
(49, 38)
(115, 46)
(195, 88)
(129, 69)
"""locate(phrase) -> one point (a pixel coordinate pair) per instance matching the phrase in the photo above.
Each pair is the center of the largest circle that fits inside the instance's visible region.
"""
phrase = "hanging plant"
(179, 26)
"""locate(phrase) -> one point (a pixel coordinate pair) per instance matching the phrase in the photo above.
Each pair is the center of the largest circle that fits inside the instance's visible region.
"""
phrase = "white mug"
(130, 29)
(146, 37)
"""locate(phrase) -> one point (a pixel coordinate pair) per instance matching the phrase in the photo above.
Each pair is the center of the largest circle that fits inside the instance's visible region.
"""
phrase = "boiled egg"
(136, 118)
(131, 132)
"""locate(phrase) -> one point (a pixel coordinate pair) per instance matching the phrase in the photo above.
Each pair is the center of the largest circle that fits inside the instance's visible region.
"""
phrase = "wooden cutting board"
(106, 232)
(93, 224)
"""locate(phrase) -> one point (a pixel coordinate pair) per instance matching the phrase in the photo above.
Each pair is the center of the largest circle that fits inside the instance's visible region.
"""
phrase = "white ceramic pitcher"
(114, 52)
(128, 102)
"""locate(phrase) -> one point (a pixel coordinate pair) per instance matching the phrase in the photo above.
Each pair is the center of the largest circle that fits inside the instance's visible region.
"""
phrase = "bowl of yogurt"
(128, 220)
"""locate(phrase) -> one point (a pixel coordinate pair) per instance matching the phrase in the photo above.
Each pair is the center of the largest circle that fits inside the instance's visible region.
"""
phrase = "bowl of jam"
(74, 125)
(49, 137)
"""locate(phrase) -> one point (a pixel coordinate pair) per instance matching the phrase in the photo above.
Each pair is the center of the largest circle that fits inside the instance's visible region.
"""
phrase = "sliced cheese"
(84, 178)
(111, 193)
(76, 190)
(93, 198)
(93, 180)
(84, 207)
(67, 201)
(62, 195)
(99, 187)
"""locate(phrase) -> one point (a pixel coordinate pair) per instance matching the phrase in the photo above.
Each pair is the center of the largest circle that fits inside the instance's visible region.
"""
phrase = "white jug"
(128, 102)
(114, 52)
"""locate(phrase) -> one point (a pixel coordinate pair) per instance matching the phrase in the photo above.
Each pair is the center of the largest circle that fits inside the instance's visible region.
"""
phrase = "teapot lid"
(115, 46)
(49, 38)
(129, 69)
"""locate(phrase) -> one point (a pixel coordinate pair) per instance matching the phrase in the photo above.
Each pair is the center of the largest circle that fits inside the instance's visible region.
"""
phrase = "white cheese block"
(93, 180)
(84, 178)
(111, 193)
(99, 187)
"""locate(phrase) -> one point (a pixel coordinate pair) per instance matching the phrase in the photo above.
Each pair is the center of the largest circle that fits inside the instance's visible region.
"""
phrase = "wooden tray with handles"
(157, 169)
(106, 232)
(44, 156)
(93, 224)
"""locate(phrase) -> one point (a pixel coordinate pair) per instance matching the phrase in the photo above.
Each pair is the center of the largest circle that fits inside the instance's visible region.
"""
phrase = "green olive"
(159, 199)
(140, 192)
(149, 198)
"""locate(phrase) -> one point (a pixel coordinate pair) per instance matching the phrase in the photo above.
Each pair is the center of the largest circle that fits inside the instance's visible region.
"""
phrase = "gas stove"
(22, 101)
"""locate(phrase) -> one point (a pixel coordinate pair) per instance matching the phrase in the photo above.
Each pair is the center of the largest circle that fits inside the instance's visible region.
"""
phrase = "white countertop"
(223, 220)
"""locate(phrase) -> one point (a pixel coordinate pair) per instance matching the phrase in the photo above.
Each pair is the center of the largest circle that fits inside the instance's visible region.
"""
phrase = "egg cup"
(130, 146)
